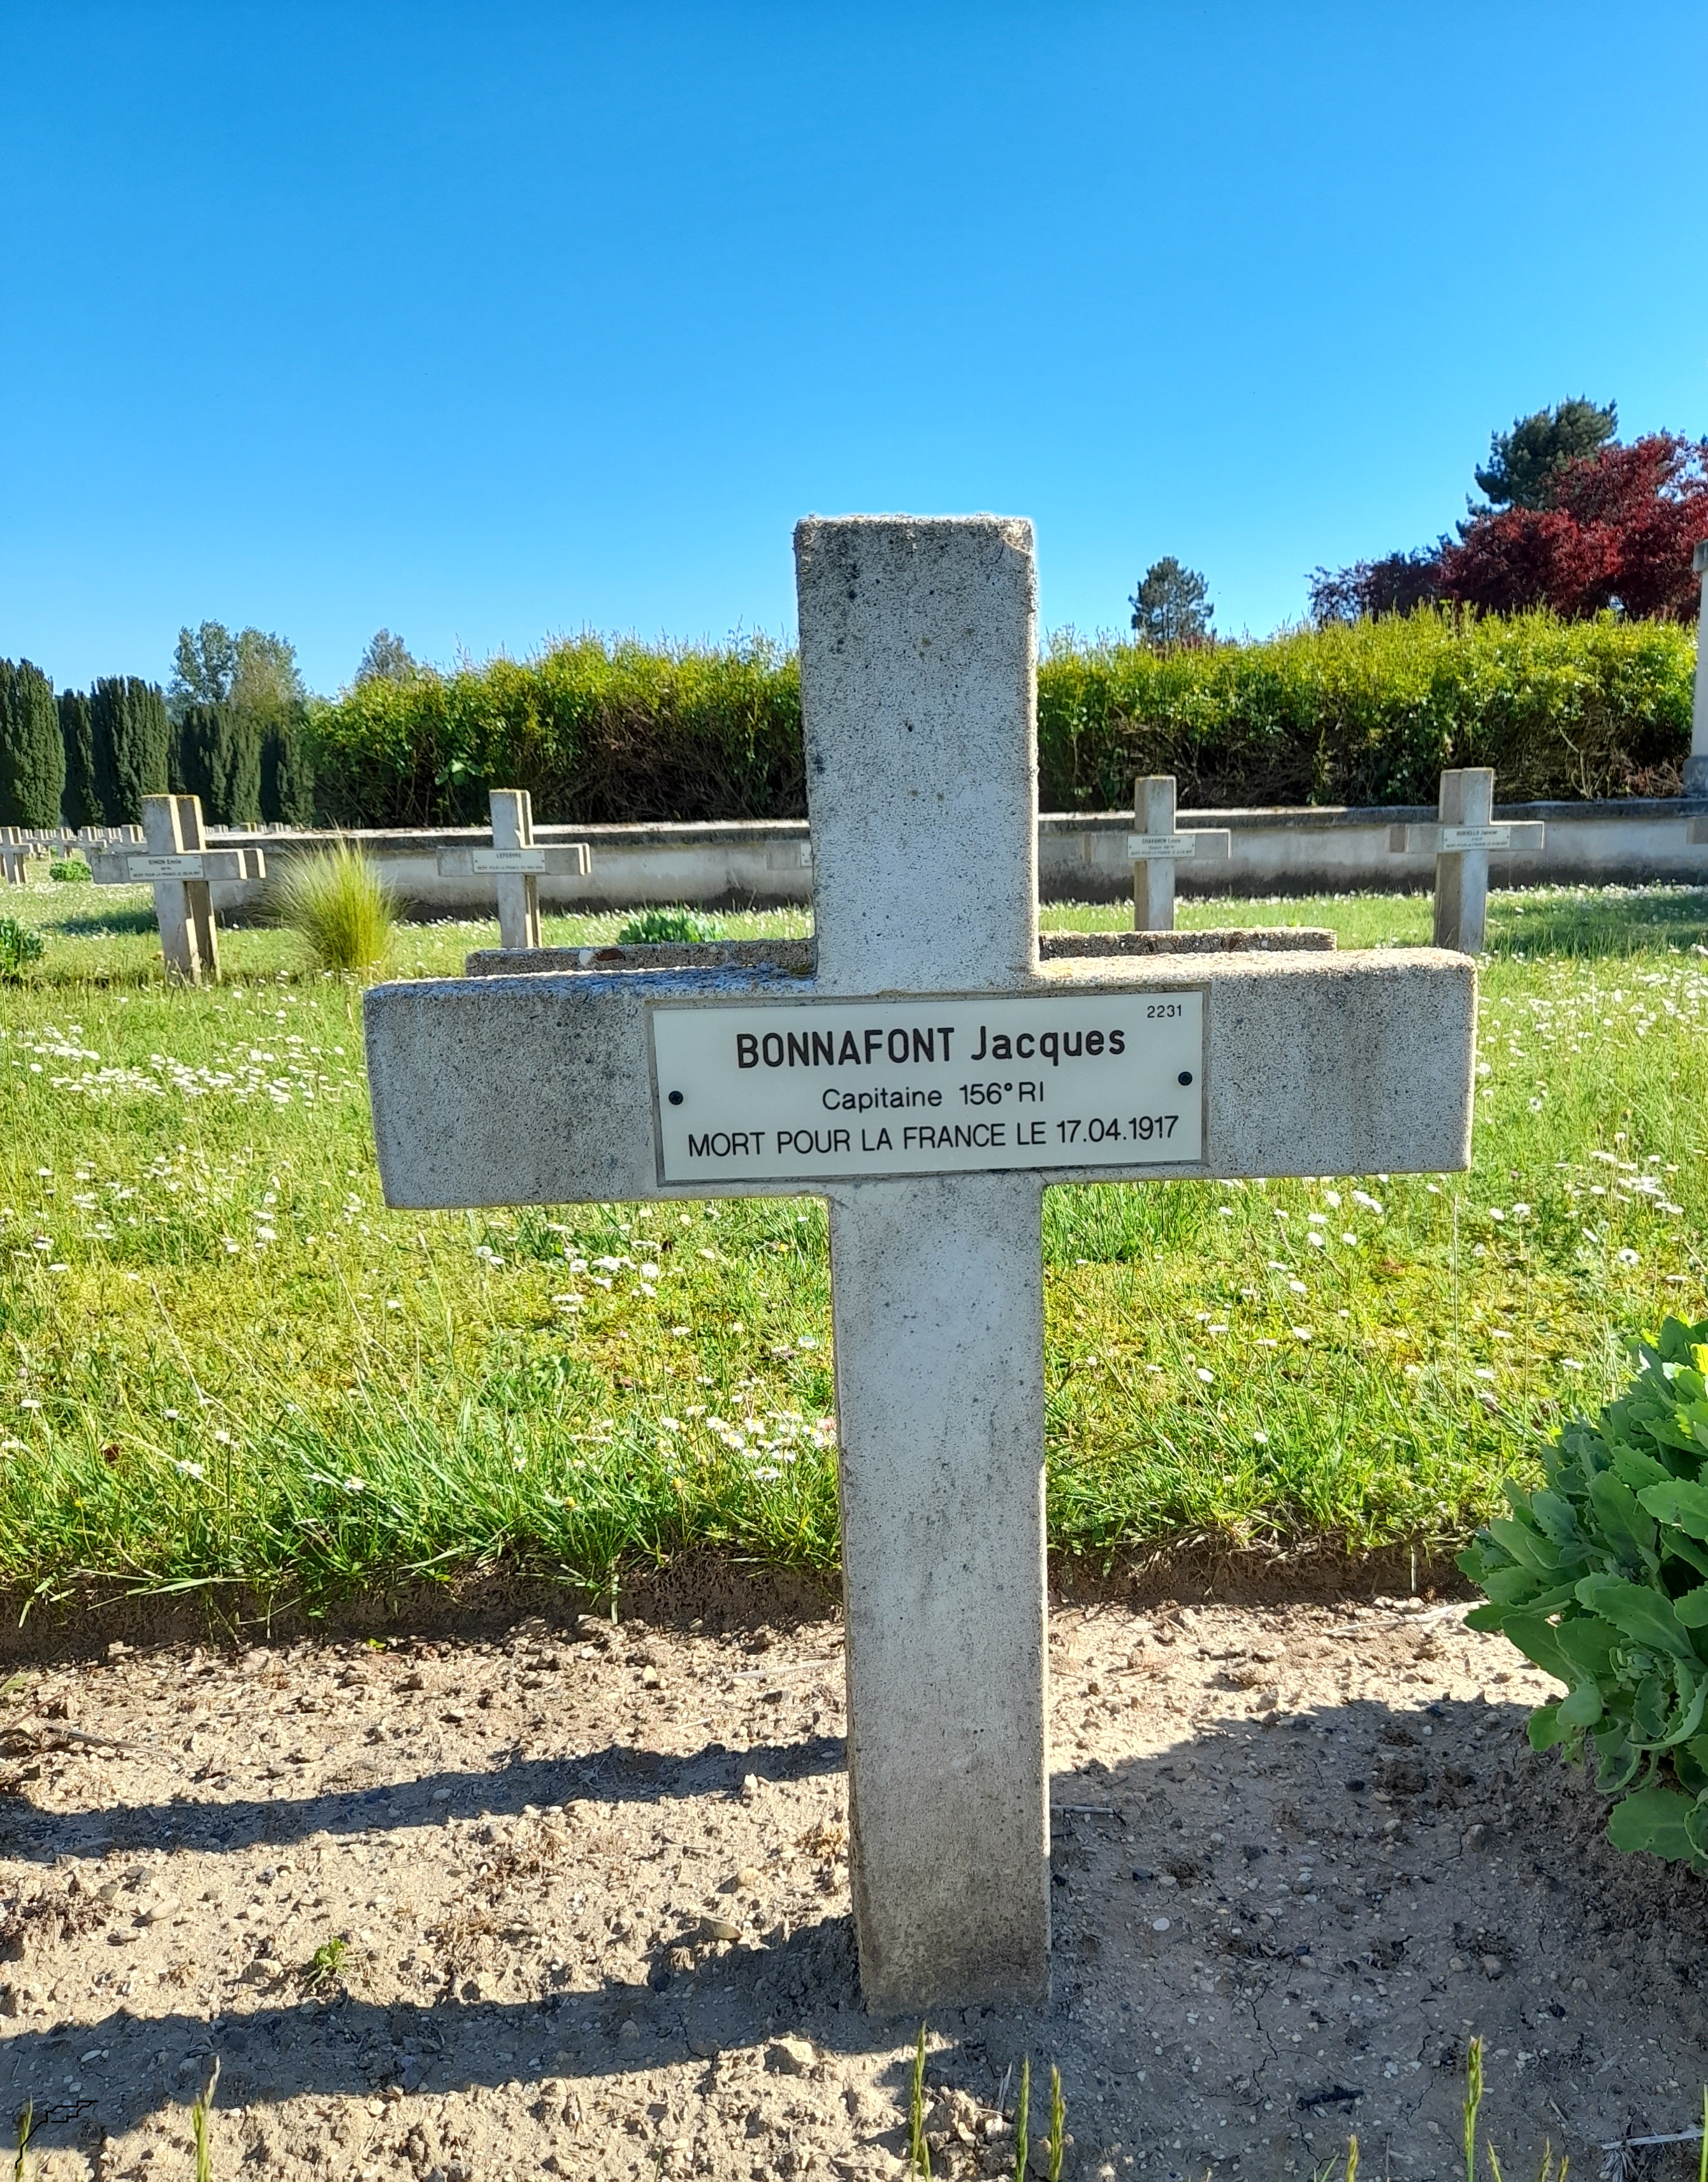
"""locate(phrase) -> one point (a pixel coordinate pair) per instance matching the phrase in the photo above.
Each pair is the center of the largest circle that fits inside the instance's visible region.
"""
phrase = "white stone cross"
(1155, 847)
(14, 856)
(518, 863)
(1462, 841)
(929, 1079)
(177, 863)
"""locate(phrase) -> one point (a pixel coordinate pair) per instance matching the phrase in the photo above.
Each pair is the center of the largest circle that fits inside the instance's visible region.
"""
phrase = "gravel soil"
(592, 1885)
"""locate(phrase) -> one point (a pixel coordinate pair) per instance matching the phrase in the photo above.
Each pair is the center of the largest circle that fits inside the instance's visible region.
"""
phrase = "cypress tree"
(287, 779)
(32, 756)
(77, 733)
(133, 740)
(216, 755)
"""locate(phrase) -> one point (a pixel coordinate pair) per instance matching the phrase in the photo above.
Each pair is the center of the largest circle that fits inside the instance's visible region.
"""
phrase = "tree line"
(1573, 520)
(230, 727)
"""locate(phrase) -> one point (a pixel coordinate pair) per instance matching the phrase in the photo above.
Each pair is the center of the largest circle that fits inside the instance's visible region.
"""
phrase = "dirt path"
(595, 1894)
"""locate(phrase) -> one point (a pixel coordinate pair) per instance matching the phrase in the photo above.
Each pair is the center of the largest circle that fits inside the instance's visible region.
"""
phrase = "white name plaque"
(1475, 837)
(508, 860)
(1141, 848)
(189, 867)
(810, 1091)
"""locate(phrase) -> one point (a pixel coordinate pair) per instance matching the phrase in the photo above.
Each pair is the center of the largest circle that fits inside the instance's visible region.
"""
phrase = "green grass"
(222, 1361)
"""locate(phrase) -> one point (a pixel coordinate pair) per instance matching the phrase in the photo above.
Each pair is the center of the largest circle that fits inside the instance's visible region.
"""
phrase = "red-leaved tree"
(1619, 533)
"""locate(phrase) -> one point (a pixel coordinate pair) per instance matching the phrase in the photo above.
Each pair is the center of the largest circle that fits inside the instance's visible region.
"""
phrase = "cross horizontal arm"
(1207, 843)
(539, 1090)
(138, 866)
(1523, 836)
(569, 860)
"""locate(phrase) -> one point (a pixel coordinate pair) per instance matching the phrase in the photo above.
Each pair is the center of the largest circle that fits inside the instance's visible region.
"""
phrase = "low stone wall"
(1082, 857)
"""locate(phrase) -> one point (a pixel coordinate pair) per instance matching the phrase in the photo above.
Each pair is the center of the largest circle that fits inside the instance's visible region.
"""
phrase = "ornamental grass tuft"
(336, 900)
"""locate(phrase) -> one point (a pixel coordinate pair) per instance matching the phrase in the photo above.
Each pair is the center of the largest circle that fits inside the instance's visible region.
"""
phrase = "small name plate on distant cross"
(189, 867)
(1475, 837)
(1142, 847)
(508, 860)
(814, 1090)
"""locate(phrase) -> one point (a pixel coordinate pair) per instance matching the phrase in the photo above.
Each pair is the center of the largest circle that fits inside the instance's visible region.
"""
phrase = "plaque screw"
(676, 1096)
(1185, 1077)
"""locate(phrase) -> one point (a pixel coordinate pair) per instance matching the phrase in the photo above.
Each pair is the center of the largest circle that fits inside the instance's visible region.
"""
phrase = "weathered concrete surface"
(183, 908)
(1462, 875)
(919, 650)
(938, 1305)
(918, 675)
(533, 1089)
(511, 810)
(1153, 881)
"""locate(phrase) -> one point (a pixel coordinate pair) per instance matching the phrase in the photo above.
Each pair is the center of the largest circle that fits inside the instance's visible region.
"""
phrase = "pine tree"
(32, 756)
(77, 733)
(133, 741)
(1171, 604)
(1525, 464)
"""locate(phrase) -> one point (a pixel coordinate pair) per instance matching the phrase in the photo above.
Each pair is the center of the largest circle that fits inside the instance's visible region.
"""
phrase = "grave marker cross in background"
(1461, 840)
(928, 1002)
(179, 865)
(1157, 844)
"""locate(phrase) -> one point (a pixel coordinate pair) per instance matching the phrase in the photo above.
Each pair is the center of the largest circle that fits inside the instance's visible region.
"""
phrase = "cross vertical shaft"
(917, 645)
(183, 908)
(518, 892)
(1153, 879)
(1462, 875)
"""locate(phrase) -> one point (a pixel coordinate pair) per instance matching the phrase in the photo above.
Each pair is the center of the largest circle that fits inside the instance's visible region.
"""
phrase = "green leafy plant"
(326, 1963)
(1022, 2121)
(659, 928)
(1058, 2124)
(21, 945)
(1601, 1577)
(338, 902)
(26, 2122)
(70, 871)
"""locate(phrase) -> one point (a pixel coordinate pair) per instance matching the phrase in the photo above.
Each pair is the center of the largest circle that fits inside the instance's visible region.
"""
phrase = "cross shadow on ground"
(618, 1773)
(1275, 1929)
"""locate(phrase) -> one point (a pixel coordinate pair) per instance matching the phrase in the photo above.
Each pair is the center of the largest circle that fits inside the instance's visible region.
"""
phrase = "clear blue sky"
(485, 322)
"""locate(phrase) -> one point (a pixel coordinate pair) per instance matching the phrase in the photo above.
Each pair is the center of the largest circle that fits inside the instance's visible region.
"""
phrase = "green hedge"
(616, 732)
(598, 733)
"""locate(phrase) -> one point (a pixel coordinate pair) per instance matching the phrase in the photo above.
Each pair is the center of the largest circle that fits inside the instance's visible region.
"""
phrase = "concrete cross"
(929, 1079)
(1155, 847)
(14, 856)
(1462, 841)
(1696, 765)
(518, 863)
(178, 863)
